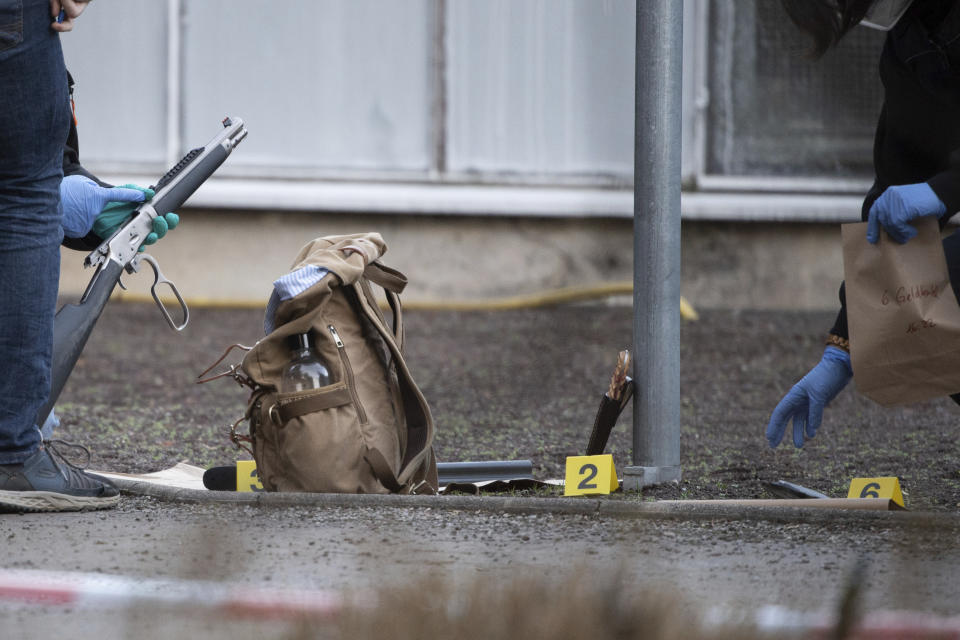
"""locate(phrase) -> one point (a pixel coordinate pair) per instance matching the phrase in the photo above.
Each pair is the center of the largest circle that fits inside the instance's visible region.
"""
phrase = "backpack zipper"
(348, 370)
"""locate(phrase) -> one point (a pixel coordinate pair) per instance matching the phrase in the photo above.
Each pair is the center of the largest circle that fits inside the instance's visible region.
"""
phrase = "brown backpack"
(370, 430)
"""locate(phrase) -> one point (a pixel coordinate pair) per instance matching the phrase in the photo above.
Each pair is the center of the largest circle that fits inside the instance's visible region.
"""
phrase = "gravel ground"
(526, 385)
(520, 384)
(552, 562)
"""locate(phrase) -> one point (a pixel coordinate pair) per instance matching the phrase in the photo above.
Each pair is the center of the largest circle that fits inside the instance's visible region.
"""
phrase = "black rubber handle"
(71, 329)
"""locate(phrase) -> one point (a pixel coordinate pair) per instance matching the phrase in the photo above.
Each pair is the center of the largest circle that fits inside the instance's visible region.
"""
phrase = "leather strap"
(396, 309)
(382, 470)
(418, 418)
(397, 312)
(294, 408)
(389, 279)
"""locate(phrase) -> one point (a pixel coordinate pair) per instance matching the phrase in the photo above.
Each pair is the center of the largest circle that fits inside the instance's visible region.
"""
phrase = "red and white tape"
(101, 590)
(77, 589)
(779, 621)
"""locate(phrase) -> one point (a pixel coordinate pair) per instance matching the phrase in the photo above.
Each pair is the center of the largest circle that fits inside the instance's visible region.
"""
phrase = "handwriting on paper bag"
(913, 327)
(913, 292)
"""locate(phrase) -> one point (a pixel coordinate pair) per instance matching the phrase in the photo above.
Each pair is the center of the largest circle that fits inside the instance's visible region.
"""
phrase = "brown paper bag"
(902, 314)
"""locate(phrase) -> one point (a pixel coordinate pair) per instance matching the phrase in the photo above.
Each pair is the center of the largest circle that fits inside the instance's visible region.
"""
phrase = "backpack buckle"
(415, 489)
(238, 439)
(274, 413)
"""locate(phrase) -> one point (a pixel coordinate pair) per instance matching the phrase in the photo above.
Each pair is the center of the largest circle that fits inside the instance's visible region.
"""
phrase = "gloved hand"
(82, 200)
(897, 206)
(116, 213)
(805, 401)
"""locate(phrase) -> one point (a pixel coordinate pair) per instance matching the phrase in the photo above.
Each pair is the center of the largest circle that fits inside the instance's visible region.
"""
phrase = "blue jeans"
(34, 121)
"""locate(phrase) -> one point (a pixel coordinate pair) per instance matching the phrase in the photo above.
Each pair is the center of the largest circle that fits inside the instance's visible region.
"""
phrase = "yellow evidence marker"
(247, 478)
(590, 475)
(887, 487)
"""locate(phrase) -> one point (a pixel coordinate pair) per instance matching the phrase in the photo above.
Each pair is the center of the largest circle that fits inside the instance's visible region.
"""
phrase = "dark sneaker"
(43, 483)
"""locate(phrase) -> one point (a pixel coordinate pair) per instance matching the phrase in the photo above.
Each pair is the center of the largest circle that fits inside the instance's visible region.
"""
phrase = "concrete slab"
(231, 258)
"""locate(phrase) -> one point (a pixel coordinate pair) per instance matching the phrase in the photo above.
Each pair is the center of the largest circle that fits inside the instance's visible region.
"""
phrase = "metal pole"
(656, 245)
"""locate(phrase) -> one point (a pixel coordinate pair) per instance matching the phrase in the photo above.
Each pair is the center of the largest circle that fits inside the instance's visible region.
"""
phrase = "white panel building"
(485, 108)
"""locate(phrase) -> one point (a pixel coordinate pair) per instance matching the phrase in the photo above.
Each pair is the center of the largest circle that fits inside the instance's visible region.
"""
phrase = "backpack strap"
(393, 283)
(396, 310)
(389, 279)
(416, 465)
(381, 469)
(420, 484)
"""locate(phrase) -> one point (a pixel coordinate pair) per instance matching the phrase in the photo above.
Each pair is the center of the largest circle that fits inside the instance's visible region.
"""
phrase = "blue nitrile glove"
(897, 206)
(805, 401)
(117, 213)
(83, 199)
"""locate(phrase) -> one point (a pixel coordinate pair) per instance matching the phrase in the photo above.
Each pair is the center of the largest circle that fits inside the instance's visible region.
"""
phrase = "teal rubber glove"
(82, 200)
(806, 400)
(898, 206)
(117, 213)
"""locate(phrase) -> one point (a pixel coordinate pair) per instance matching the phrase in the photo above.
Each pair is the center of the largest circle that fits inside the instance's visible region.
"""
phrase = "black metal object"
(611, 405)
(456, 472)
(610, 409)
(225, 478)
(784, 489)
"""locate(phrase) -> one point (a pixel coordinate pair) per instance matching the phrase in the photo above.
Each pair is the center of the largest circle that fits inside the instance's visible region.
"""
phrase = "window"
(774, 112)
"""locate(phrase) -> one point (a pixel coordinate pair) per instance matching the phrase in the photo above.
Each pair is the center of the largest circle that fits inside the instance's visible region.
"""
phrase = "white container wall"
(540, 88)
(117, 55)
(324, 85)
(469, 106)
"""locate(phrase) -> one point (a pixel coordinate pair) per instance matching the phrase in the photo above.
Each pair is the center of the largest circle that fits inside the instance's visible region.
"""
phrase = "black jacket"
(918, 134)
(72, 167)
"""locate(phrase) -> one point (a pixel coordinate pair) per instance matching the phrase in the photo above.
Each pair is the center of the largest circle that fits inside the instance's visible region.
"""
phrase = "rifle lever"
(159, 279)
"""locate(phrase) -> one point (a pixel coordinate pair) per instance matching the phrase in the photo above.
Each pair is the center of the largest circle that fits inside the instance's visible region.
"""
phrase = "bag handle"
(393, 299)
(389, 279)
(397, 312)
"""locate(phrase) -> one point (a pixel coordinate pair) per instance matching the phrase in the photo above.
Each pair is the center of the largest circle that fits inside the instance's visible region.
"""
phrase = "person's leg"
(34, 121)
(26, 336)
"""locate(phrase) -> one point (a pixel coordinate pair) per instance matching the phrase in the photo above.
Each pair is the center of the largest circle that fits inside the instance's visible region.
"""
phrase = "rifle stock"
(72, 327)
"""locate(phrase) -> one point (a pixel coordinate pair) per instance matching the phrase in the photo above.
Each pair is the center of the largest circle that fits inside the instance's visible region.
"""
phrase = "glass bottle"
(306, 371)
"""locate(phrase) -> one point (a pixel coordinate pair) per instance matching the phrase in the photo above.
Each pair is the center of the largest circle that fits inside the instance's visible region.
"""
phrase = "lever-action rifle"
(120, 252)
